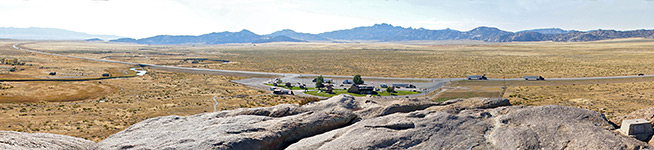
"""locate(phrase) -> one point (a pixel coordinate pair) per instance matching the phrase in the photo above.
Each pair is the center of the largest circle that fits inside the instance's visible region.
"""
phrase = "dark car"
(534, 78)
(477, 77)
(640, 74)
(324, 80)
(348, 81)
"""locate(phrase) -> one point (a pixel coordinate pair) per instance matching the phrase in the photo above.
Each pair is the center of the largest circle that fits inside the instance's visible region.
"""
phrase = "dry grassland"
(132, 100)
(549, 59)
(99, 108)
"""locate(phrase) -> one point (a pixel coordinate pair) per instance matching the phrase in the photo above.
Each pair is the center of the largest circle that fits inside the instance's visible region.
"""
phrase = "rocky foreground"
(345, 122)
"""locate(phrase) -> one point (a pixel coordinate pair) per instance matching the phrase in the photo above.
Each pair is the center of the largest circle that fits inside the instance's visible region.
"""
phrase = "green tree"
(319, 82)
(357, 79)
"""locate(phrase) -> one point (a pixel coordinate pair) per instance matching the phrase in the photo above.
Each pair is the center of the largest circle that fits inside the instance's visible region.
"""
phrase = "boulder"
(556, 127)
(415, 130)
(513, 127)
(254, 128)
(10, 140)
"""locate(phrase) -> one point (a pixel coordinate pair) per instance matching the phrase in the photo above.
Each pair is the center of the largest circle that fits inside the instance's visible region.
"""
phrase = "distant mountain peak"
(383, 25)
(548, 31)
(285, 31)
(297, 35)
(485, 28)
(243, 36)
(246, 31)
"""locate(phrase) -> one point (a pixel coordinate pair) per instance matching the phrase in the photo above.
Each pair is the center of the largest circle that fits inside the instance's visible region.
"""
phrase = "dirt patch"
(53, 91)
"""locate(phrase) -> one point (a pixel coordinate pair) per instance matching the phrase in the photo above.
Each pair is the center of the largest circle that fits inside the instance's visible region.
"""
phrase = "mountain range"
(243, 36)
(34, 33)
(378, 32)
(388, 33)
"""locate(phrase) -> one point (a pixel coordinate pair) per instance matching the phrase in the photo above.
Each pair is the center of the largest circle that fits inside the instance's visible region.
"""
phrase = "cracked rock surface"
(477, 124)
(345, 122)
(256, 128)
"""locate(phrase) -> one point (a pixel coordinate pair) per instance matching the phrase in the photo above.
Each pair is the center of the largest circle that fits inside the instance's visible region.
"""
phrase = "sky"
(145, 18)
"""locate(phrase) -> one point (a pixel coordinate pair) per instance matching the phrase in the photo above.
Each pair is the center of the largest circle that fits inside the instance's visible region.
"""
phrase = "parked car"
(325, 80)
(640, 74)
(403, 85)
(348, 81)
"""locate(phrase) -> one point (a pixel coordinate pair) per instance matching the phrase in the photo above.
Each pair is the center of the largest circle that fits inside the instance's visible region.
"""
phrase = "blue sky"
(144, 18)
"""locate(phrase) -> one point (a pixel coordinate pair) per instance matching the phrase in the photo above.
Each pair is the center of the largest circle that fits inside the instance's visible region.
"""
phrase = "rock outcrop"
(10, 140)
(556, 127)
(256, 128)
(540, 127)
(345, 122)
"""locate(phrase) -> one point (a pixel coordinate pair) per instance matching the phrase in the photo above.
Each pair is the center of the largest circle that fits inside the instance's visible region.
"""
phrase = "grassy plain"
(417, 60)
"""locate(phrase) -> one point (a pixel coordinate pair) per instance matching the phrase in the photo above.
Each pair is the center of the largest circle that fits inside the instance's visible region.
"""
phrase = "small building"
(403, 85)
(477, 77)
(362, 89)
(534, 78)
(640, 129)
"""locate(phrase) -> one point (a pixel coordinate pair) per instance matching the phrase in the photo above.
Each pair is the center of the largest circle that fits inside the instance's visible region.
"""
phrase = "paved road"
(428, 84)
(580, 78)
